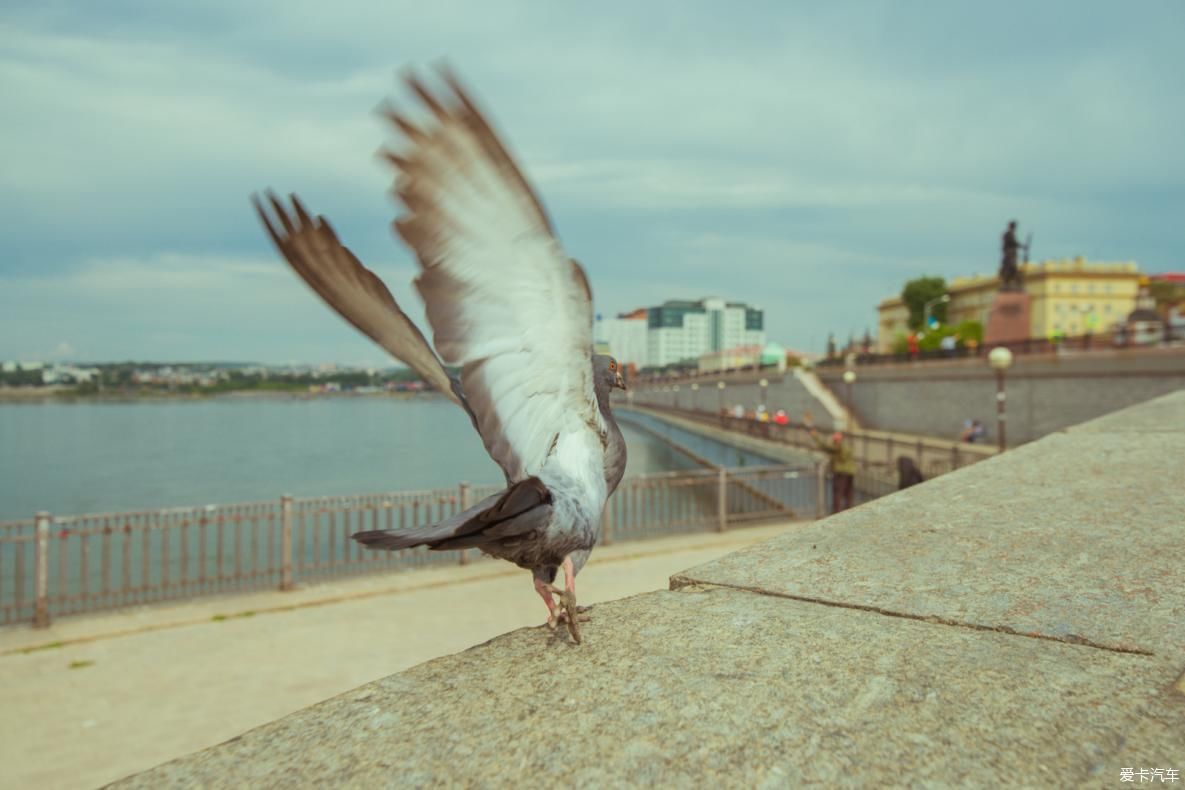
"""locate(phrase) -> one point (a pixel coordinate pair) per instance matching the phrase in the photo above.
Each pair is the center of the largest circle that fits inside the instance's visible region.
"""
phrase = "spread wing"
(312, 249)
(504, 301)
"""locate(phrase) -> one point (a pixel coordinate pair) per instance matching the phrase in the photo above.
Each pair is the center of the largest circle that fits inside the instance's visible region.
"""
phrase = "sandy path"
(156, 683)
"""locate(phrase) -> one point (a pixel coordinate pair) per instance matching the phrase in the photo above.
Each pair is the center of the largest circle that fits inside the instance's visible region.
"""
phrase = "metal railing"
(51, 566)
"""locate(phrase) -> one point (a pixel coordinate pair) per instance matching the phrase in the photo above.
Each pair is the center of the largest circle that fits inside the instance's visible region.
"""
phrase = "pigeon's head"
(608, 372)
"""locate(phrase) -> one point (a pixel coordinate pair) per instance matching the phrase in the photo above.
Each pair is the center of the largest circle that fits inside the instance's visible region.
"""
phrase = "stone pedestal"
(1008, 320)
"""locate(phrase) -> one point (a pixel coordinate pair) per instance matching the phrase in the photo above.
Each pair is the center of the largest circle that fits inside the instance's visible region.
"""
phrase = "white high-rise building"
(625, 336)
(680, 331)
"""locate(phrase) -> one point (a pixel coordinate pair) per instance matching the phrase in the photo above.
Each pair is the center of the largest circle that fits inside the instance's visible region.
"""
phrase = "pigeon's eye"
(612, 365)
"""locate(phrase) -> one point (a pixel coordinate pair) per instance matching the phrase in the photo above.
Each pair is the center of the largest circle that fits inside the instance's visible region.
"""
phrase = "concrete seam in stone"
(680, 582)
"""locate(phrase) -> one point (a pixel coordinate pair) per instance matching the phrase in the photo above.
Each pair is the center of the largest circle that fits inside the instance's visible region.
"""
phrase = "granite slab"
(1077, 537)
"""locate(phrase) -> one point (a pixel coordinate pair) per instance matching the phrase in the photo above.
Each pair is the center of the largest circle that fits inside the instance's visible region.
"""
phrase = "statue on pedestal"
(1010, 317)
(1010, 279)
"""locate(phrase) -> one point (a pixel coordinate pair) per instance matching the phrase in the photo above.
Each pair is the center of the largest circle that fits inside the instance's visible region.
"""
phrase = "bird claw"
(561, 616)
(569, 614)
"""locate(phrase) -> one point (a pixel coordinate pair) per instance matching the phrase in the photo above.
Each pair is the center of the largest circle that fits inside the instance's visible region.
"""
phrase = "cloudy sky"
(804, 157)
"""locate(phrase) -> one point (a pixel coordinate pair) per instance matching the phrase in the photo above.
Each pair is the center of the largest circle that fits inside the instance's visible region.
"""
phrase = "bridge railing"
(876, 452)
(52, 566)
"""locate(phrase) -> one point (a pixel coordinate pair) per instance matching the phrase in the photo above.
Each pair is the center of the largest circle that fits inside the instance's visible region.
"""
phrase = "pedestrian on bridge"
(842, 465)
(908, 473)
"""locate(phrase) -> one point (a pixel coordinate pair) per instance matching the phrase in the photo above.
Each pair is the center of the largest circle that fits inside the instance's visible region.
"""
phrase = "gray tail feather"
(394, 539)
(496, 516)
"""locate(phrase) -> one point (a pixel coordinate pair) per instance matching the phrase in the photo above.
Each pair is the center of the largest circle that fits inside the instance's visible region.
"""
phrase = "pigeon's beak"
(618, 381)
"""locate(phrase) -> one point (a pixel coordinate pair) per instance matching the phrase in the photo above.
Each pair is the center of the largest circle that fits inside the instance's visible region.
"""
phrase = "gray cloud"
(807, 159)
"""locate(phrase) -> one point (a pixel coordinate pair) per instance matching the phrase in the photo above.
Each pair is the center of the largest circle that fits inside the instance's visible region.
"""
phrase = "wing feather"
(504, 301)
(314, 252)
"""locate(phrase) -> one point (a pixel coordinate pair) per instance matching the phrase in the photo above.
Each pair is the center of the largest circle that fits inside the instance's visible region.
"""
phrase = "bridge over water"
(713, 450)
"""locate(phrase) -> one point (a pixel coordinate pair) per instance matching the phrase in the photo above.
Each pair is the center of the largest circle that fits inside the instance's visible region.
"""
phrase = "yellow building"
(892, 322)
(1071, 297)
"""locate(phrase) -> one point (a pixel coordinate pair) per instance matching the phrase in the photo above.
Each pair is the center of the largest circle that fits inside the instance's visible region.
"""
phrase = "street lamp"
(764, 394)
(849, 378)
(695, 396)
(926, 309)
(1000, 359)
(720, 397)
(676, 389)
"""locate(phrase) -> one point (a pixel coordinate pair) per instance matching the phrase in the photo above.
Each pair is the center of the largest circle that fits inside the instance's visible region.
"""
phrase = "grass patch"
(39, 648)
(218, 618)
(81, 664)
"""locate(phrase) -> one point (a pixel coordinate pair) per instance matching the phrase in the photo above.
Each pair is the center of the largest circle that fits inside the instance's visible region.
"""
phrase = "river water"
(106, 456)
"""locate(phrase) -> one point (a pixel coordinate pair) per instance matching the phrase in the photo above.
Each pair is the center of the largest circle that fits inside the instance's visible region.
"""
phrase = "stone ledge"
(712, 685)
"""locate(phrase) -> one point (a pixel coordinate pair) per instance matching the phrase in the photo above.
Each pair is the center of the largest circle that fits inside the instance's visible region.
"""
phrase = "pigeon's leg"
(572, 614)
(544, 589)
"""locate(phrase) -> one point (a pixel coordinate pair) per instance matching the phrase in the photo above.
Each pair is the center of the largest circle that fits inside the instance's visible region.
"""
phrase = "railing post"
(463, 500)
(41, 555)
(820, 490)
(721, 499)
(286, 542)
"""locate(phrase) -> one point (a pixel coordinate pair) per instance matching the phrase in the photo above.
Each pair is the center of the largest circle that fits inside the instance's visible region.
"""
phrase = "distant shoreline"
(69, 395)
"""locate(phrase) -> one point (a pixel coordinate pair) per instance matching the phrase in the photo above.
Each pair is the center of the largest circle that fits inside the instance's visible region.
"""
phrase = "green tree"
(969, 330)
(1166, 293)
(919, 291)
(21, 378)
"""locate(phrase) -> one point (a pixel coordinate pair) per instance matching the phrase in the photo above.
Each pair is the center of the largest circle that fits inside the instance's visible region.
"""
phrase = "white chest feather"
(578, 465)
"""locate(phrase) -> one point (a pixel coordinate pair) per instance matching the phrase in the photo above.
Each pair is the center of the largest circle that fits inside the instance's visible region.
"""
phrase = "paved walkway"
(125, 691)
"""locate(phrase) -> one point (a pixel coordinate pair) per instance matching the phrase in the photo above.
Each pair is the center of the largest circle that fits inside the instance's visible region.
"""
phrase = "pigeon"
(510, 313)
